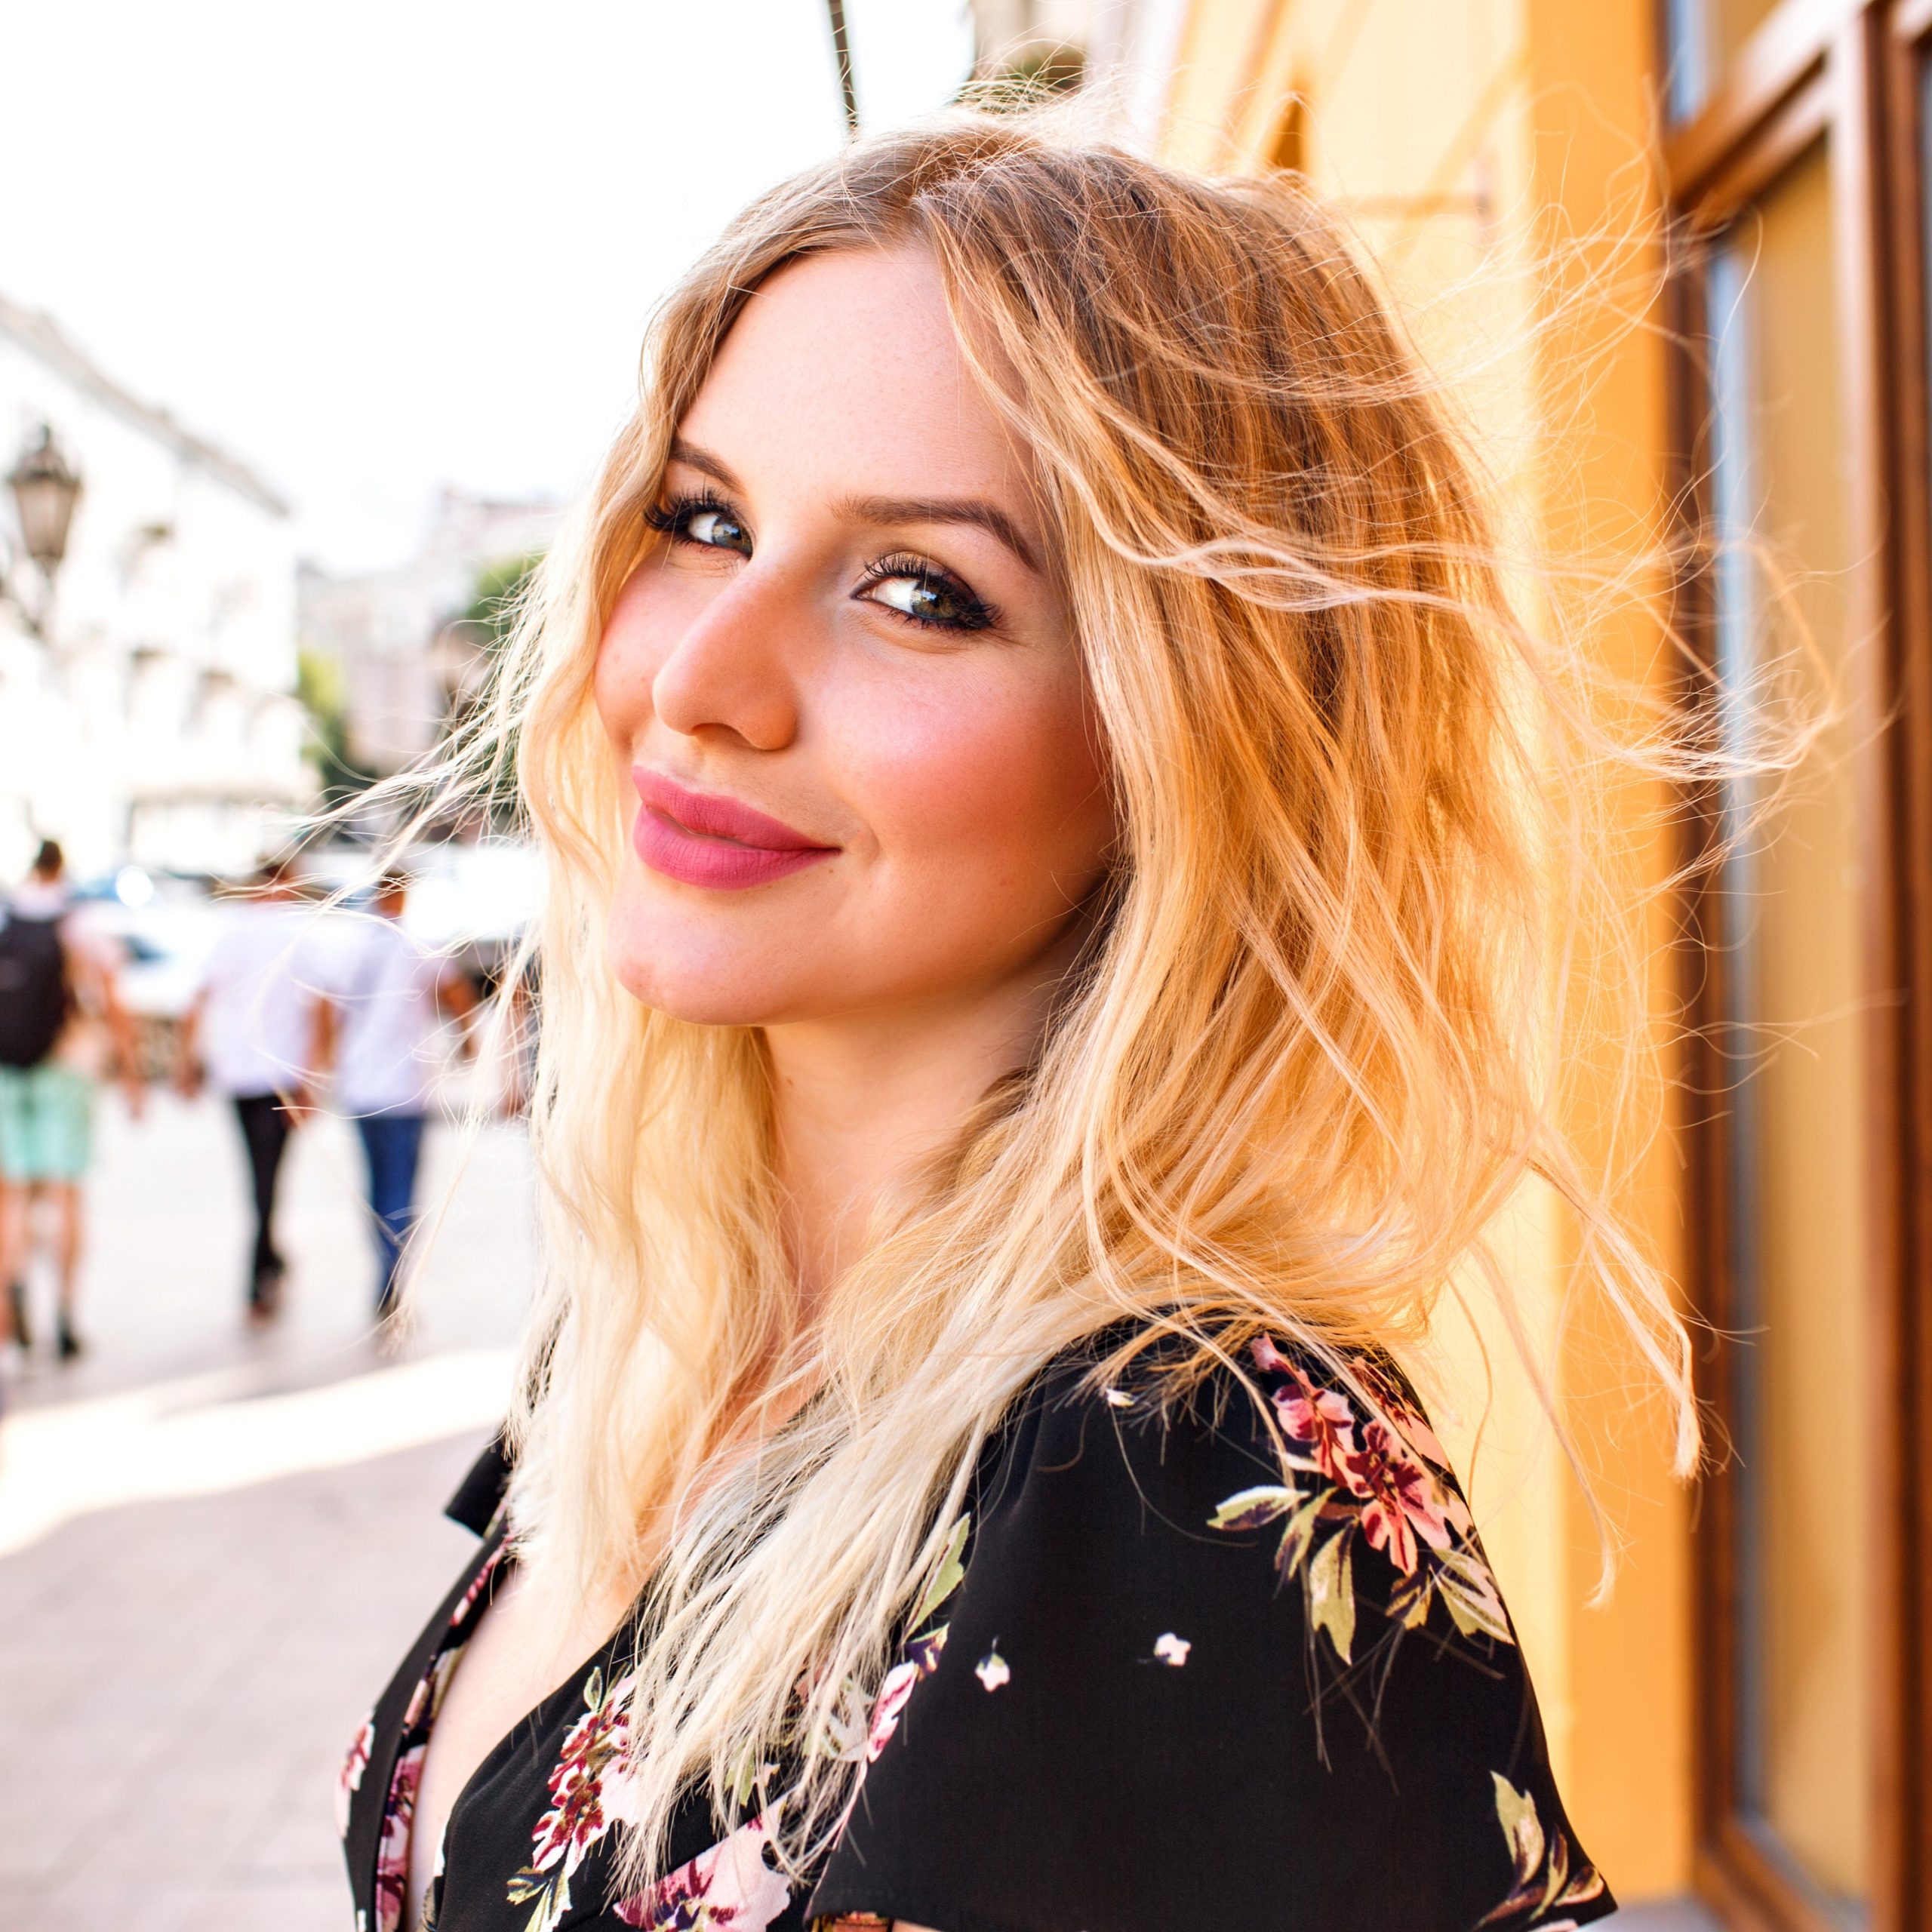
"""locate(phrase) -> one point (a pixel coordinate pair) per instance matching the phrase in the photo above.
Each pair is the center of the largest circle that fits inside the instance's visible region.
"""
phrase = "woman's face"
(841, 689)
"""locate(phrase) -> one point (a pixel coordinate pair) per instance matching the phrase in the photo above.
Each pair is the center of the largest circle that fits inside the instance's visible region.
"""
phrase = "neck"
(860, 1103)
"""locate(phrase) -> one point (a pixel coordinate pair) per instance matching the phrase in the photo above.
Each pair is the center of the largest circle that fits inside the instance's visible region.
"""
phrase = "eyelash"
(674, 518)
(979, 615)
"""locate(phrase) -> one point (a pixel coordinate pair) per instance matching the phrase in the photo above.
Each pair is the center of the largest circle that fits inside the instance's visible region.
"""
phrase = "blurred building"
(403, 657)
(153, 716)
(1673, 261)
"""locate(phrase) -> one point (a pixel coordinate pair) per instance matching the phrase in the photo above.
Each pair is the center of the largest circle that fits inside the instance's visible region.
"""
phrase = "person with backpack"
(61, 1023)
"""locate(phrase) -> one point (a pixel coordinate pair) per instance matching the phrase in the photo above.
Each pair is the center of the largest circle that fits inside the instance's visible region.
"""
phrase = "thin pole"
(842, 47)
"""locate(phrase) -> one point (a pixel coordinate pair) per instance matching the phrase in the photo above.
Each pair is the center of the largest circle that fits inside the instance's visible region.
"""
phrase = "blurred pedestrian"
(384, 998)
(62, 1027)
(249, 1034)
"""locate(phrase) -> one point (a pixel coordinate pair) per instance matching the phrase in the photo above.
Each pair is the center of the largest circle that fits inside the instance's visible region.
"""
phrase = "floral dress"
(1203, 1664)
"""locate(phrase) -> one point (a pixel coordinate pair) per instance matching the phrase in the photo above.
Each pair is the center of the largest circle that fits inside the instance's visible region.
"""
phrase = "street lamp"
(45, 486)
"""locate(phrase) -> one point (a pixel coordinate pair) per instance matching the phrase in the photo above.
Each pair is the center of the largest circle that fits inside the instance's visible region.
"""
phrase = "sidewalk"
(214, 1543)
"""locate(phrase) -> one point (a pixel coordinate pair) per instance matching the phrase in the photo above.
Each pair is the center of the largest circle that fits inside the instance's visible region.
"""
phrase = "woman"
(1052, 891)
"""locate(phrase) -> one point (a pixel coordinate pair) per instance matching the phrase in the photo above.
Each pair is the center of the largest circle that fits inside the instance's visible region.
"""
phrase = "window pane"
(1792, 898)
(1687, 57)
(1702, 37)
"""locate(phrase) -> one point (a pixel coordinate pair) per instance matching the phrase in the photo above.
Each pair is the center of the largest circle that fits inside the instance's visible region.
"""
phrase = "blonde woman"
(1050, 904)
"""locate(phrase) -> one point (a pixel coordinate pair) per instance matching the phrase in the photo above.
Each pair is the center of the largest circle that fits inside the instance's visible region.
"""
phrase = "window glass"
(1792, 891)
(1702, 37)
(1687, 57)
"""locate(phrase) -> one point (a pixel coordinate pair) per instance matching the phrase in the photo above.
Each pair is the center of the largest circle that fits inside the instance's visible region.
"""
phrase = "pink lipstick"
(699, 838)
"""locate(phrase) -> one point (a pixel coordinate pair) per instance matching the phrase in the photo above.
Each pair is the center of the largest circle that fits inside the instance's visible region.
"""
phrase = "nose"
(730, 671)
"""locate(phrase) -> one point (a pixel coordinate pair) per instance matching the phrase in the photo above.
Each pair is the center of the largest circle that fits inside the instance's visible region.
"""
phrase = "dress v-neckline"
(434, 1686)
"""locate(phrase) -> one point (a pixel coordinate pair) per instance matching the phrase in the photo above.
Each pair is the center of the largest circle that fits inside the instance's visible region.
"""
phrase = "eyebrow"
(988, 517)
(705, 463)
(885, 510)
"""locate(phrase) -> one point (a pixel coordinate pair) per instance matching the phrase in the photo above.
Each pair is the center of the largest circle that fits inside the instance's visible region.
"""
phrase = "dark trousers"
(265, 1133)
(391, 1144)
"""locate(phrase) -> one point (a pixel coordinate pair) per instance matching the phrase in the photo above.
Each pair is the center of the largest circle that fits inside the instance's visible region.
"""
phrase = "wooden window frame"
(1846, 69)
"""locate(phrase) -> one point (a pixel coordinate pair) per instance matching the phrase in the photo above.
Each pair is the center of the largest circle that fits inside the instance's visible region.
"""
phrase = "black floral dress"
(1184, 1667)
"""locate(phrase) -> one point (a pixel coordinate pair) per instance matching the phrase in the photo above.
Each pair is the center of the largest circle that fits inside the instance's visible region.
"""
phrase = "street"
(215, 1542)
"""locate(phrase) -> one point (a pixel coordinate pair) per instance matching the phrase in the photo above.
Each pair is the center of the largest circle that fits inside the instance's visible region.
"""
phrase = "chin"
(676, 973)
(706, 999)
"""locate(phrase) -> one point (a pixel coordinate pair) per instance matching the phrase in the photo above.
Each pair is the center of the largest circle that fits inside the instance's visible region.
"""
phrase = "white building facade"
(155, 720)
(393, 634)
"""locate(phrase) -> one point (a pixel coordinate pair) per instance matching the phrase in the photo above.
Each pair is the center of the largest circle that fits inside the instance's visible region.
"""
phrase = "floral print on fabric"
(865, 1725)
(920, 1656)
(730, 1888)
(585, 1801)
(392, 1858)
(353, 1766)
(1080, 1616)
(921, 1659)
(1550, 1874)
(419, 1717)
(1378, 1480)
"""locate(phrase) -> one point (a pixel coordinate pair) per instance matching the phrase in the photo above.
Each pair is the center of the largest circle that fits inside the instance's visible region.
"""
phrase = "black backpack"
(33, 989)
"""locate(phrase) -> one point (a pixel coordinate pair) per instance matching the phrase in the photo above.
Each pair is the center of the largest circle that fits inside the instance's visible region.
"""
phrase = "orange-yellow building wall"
(1592, 86)
(1494, 155)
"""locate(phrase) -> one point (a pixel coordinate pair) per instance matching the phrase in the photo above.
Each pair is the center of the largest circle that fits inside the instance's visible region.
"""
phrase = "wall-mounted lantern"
(46, 487)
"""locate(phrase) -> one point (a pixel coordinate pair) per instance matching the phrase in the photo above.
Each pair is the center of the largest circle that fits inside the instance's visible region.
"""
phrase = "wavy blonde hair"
(1310, 1053)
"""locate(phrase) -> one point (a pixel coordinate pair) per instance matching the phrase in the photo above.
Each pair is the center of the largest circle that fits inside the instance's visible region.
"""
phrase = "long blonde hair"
(1312, 1052)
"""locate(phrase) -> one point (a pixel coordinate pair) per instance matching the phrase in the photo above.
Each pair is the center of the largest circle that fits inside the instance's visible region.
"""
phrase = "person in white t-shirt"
(385, 997)
(250, 1033)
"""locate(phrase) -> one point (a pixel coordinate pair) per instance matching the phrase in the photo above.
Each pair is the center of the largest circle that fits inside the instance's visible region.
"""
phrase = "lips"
(701, 839)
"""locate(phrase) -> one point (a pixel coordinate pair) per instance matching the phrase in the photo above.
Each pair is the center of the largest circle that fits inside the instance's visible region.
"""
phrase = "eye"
(924, 595)
(704, 521)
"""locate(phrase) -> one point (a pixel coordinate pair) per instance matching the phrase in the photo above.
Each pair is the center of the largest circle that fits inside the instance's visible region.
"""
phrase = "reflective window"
(1701, 37)
(1800, 1397)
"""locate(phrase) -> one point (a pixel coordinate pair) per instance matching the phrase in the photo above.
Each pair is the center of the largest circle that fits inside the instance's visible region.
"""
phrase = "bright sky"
(384, 244)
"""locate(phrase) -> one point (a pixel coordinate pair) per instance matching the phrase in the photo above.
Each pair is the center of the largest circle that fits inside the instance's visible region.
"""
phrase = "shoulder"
(1207, 1629)
(1277, 1465)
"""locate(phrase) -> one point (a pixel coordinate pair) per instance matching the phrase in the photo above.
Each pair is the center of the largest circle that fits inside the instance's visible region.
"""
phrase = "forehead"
(845, 370)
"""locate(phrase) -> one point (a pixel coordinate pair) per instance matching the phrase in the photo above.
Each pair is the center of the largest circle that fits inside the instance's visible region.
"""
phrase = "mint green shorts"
(46, 1123)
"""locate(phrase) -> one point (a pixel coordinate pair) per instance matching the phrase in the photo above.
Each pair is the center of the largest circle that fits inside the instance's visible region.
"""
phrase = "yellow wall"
(1492, 155)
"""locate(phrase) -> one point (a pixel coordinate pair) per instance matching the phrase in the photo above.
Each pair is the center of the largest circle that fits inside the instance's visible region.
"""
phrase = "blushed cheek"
(1007, 795)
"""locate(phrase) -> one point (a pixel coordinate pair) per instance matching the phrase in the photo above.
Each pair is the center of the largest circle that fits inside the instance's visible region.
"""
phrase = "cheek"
(632, 647)
(1001, 783)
